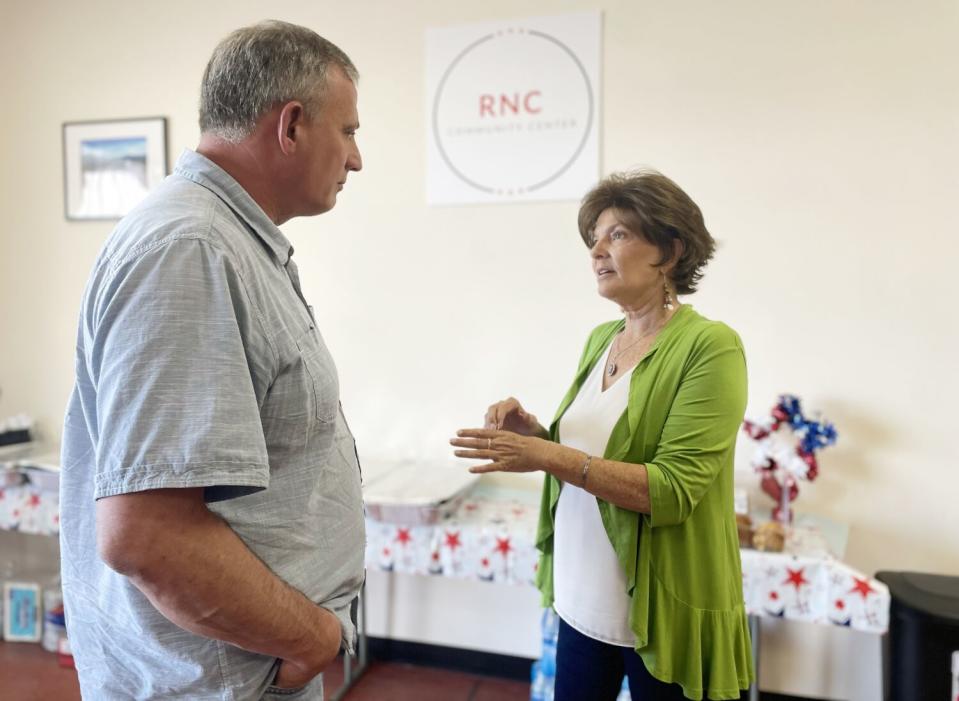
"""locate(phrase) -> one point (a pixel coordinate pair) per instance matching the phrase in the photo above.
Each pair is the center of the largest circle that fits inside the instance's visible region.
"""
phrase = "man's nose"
(355, 160)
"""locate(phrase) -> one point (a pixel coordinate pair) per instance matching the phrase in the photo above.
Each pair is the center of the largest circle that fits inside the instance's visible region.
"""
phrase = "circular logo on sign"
(512, 112)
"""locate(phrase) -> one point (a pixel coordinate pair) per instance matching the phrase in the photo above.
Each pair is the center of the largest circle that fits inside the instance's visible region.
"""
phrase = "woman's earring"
(668, 298)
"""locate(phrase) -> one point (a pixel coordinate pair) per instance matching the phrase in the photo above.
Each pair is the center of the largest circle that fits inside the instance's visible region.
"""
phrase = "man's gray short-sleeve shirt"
(199, 364)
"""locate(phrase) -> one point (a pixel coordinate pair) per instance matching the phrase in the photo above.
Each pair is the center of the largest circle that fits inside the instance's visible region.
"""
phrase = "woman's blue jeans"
(591, 670)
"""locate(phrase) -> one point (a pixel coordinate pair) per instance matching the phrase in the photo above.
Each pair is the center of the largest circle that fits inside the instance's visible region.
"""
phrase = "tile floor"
(28, 673)
(390, 681)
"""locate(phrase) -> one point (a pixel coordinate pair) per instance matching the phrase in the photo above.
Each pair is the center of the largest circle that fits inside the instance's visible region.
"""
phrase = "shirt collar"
(201, 170)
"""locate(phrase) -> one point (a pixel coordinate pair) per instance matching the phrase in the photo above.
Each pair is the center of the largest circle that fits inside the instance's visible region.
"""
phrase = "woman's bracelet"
(589, 459)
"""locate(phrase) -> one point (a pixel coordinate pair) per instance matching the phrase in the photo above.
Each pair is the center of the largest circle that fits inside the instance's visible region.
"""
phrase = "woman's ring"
(489, 443)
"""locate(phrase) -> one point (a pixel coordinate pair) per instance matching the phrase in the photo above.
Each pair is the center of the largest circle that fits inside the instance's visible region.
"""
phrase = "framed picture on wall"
(21, 612)
(109, 166)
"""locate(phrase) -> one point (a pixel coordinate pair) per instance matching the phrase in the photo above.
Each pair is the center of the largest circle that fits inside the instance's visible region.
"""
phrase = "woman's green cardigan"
(687, 397)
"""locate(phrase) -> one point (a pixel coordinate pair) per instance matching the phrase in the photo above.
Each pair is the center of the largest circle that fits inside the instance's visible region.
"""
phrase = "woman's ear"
(678, 249)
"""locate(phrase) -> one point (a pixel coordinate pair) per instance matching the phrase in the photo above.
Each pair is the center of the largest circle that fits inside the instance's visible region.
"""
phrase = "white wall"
(820, 139)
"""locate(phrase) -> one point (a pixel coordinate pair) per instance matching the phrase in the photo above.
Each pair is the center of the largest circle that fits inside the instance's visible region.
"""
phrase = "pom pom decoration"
(781, 463)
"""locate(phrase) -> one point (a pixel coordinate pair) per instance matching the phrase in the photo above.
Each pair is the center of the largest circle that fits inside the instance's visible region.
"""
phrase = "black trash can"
(923, 635)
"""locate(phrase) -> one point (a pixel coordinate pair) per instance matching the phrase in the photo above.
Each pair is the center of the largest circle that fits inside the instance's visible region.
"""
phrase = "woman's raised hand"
(509, 415)
(511, 440)
(503, 451)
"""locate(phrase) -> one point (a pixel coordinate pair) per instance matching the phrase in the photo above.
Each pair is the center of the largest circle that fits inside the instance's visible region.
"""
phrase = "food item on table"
(769, 537)
(744, 525)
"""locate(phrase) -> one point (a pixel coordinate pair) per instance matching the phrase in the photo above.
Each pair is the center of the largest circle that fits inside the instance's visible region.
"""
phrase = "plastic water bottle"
(550, 627)
(543, 672)
(955, 675)
(550, 624)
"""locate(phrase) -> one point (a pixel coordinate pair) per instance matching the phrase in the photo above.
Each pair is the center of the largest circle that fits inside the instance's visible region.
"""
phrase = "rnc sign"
(513, 110)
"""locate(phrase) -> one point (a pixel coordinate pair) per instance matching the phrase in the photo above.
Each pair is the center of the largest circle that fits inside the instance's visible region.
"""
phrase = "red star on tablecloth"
(861, 586)
(435, 556)
(453, 540)
(386, 552)
(840, 604)
(774, 595)
(796, 578)
(485, 562)
(403, 536)
(502, 546)
(34, 501)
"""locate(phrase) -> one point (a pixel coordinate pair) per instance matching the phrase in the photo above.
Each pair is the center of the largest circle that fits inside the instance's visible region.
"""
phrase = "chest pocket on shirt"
(322, 373)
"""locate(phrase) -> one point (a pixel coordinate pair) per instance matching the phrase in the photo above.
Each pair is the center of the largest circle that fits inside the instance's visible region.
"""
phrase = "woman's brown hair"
(654, 206)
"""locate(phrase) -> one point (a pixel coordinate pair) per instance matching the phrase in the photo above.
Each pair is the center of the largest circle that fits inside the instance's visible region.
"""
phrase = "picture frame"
(110, 165)
(22, 612)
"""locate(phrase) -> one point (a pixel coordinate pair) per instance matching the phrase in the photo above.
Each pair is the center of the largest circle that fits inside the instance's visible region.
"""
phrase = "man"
(212, 530)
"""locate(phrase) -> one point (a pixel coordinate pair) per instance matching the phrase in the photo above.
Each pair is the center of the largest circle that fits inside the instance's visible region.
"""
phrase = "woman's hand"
(506, 450)
(509, 415)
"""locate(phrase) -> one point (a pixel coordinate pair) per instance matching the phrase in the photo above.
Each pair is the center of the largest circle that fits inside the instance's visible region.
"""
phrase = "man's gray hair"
(258, 67)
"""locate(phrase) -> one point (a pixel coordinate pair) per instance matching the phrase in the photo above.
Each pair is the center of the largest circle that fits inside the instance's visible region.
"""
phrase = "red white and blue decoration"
(785, 457)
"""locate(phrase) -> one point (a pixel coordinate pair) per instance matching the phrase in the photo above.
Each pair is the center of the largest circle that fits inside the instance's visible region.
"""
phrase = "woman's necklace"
(611, 367)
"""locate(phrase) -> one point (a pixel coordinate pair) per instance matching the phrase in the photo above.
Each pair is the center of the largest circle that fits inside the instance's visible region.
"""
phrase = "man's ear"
(290, 119)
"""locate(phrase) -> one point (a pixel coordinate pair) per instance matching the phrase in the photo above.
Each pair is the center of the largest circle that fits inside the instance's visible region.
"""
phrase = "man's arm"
(199, 574)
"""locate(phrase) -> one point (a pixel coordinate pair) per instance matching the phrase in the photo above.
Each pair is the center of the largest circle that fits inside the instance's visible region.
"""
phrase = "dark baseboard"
(457, 659)
(489, 664)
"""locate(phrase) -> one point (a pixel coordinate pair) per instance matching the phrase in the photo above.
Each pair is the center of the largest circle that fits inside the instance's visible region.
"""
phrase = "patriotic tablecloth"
(815, 590)
(491, 538)
(29, 499)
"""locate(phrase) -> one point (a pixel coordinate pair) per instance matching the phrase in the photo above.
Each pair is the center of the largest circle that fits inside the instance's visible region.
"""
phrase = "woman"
(637, 529)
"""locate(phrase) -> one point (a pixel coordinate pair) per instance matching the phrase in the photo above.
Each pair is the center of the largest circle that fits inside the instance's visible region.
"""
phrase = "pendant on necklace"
(611, 370)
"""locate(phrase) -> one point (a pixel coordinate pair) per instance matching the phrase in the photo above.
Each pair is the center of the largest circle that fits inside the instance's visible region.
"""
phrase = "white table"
(490, 537)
